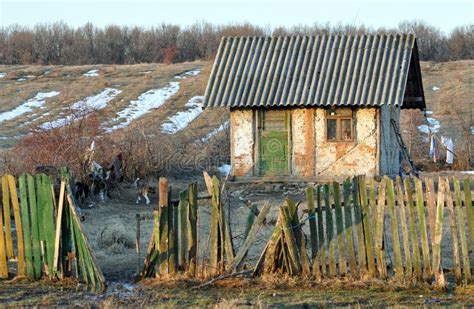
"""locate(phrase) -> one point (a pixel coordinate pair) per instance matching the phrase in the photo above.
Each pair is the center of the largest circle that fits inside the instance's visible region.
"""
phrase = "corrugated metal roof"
(353, 70)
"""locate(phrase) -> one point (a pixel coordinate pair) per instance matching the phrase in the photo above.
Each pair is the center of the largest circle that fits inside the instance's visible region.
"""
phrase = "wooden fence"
(359, 228)
(49, 235)
(350, 224)
(173, 247)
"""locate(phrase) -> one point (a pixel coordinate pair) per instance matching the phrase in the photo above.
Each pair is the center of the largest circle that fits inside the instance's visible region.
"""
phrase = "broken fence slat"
(183, 228)
(330, 233)
(362, 257)
(58, 225)
(192, 228)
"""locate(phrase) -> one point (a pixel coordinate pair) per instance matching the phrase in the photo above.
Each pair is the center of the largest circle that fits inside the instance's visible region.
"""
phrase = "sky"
(443, 14)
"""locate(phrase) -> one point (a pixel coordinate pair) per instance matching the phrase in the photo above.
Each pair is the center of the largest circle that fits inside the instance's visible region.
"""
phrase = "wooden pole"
(59, 218)
(26, 227)
(192, 229)
(321, 244)
(362, 257)
(183, 228)
(19, 229)
(137, 242)
(35, 230)
(163, 247)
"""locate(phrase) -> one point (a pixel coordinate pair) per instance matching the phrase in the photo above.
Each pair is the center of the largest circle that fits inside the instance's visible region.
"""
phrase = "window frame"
(339, 119)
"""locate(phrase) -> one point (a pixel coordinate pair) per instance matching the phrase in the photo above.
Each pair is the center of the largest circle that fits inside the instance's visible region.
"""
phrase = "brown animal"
(142, 190)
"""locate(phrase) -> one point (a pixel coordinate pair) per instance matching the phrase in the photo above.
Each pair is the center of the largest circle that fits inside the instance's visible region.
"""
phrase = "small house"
(304, 107)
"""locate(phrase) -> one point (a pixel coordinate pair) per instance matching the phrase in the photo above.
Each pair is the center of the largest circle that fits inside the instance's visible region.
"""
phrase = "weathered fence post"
(403, 223)
(379, 232)
(423, 230)
(313, 229)
(413, 235)
(192, 228)
(163, 227)
(183, 228)
(367, 227)
(462, 232)
(395, 237)
(349, 226)
(339, 229)
(321, 244)
(437, 236)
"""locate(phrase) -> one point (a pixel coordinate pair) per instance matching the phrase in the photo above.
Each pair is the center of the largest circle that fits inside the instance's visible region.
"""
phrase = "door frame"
(258, 125)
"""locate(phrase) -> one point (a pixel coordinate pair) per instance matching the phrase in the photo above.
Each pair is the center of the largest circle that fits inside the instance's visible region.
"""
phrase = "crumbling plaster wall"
(336, 159)
(242, 142)
(303, 141)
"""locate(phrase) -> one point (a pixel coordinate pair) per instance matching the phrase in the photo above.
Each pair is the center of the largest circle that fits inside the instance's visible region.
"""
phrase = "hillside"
(166, 98)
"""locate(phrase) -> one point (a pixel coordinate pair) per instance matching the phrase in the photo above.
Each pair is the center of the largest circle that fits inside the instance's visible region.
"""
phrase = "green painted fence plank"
(35, 226)
(48, 223)
(25, 217)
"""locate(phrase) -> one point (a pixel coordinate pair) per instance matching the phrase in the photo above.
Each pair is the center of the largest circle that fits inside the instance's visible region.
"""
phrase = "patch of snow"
(21, 79)
(468, 172)
(224, 169)
(3, 74)
(472, 130)
(433, 126)
(427, 112)
(145, 72)
(47, 72)
(36, 102)
(188, 73)
(83, 107)
(181, 120)
(435, 88)
(91, 73)
(221, 128)
(146, 102)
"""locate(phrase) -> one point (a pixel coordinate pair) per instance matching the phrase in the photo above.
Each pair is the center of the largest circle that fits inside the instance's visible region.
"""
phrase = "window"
(340, 127)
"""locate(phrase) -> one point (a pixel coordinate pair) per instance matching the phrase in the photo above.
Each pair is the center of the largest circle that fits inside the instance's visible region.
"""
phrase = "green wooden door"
(274, 130)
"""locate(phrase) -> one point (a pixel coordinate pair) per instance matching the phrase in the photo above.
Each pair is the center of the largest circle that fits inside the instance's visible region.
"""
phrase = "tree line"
(60, 44)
